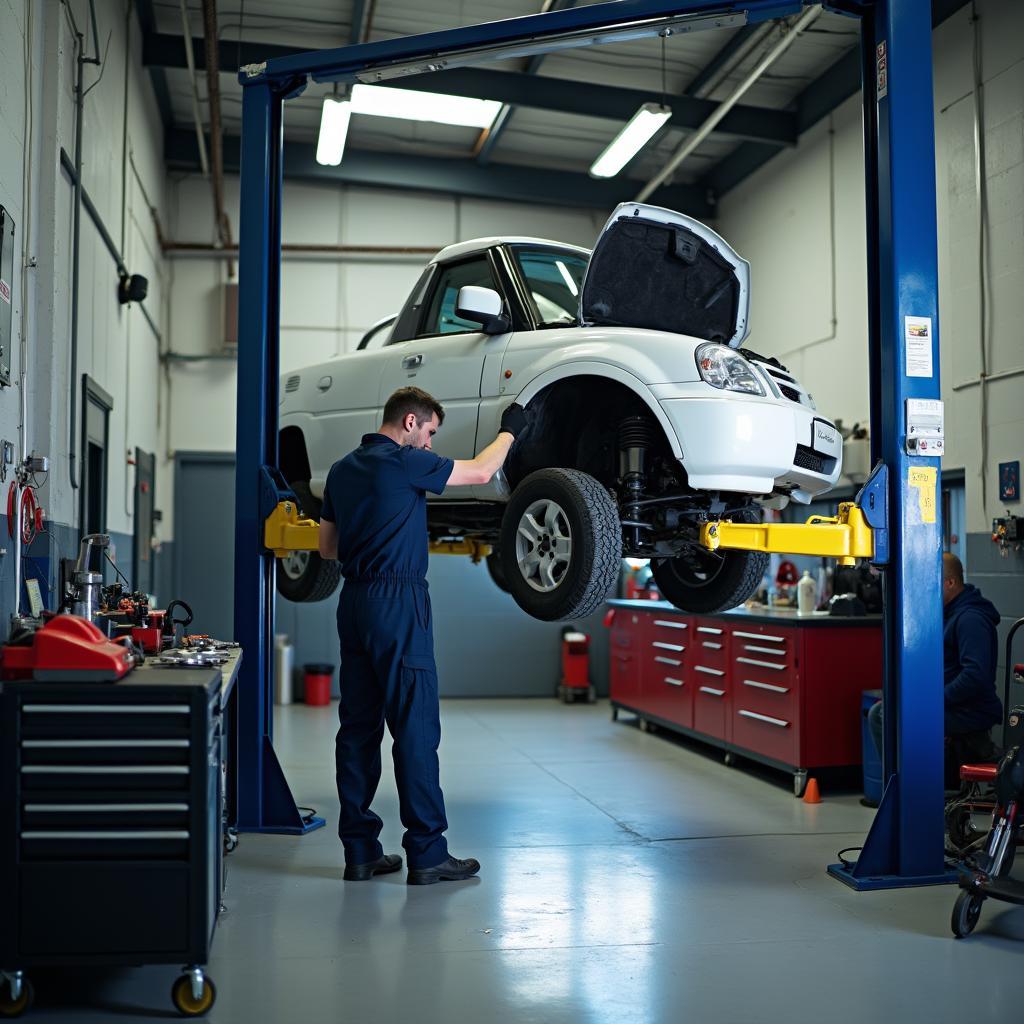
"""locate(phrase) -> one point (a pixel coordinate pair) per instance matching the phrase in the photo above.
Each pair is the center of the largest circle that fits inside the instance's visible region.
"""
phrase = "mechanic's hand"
(514, 420)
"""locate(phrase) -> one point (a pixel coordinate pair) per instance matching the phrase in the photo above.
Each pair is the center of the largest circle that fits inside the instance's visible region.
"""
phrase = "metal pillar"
(905, 844)
(265, 803)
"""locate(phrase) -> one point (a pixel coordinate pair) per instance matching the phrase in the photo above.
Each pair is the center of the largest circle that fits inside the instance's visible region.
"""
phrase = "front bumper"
(751, 445)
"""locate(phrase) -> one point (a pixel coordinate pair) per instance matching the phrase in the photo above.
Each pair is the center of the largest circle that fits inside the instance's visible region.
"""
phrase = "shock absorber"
(636, 435)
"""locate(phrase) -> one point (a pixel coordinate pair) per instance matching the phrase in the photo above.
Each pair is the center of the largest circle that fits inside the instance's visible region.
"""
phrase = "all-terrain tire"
(731, 577)
(496, 568)
(307, 577)
(589, 518)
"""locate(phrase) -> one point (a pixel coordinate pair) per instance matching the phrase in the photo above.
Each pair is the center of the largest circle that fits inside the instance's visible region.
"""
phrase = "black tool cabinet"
(111, 807)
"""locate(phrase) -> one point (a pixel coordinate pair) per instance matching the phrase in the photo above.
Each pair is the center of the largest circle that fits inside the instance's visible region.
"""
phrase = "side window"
(440, 317)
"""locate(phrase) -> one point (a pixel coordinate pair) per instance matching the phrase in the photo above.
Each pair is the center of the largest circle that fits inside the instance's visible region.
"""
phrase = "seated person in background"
(972, 706)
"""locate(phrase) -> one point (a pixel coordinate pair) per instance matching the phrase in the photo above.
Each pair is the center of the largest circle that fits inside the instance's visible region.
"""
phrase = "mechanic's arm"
(977, 671)
(490, 460)
(328, 540)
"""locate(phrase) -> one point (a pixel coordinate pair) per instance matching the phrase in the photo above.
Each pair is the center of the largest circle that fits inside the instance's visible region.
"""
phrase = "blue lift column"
(905, 844)
(265, 802)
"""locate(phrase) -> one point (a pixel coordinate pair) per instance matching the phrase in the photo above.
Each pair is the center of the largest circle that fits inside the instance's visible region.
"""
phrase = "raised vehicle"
(648, 416)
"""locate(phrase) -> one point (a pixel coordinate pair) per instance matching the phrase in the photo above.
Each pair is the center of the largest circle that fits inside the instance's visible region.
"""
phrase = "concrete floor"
(626, 878)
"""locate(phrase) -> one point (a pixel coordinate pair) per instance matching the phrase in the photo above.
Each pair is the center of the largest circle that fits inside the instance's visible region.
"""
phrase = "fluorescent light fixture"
(334, 120)
(567, 277)
(640, 130)
(413, 105)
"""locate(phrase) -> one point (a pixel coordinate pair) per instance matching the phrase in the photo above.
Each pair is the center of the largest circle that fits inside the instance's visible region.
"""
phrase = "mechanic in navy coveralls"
(374, 521)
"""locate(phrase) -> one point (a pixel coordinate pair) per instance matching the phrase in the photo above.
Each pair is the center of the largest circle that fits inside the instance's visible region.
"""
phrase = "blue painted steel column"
(265, 803)
(905, 844)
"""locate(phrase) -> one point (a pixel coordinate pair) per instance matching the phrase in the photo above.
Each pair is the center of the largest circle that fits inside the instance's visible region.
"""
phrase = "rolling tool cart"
(110, 826)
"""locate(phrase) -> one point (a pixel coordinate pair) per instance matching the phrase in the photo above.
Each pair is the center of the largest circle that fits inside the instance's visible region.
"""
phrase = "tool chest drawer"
(665, 691)
(770, 734)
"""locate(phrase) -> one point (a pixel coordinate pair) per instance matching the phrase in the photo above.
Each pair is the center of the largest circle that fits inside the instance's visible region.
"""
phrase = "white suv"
(647, 417)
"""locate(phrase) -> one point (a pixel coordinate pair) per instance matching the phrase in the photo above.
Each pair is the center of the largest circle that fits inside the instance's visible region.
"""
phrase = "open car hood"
(664, 271)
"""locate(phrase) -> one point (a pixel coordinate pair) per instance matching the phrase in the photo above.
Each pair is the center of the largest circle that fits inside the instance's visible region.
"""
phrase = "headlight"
(721, 367)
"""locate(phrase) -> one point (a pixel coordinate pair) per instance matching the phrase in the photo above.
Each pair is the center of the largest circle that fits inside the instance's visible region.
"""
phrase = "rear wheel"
(561, 544)
(304, 575)
(496, 568)
(705, 582)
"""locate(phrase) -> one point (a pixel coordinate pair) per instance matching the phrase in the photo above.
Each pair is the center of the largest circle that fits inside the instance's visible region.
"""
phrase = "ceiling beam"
(517, 88)
(735, 43)
(835, 85)
(453, 176)
(157, 75)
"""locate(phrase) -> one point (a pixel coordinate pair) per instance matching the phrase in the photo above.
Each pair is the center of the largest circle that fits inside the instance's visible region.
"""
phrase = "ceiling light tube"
(637, 133)
(567, 277)
(413, 105)
(334, 119)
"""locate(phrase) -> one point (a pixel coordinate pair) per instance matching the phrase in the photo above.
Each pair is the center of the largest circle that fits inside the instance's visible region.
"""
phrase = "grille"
(292, 383)
(808, 458)
(791, 393)
(778, 374)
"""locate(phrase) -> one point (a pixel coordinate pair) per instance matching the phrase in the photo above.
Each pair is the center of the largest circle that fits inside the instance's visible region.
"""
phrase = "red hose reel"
(32, 518)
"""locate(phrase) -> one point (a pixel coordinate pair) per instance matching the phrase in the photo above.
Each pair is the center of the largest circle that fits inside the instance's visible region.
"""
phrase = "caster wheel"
(966, 912)
(185, 1001)
(16, 1007)
(615, 714)
(591, 695)
(645, 726)
(230, 841)
(729, 759)
(799, 783)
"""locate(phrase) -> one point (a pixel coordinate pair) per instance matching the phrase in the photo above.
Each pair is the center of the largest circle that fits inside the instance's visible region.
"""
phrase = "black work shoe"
(450, 870)
(381, 866)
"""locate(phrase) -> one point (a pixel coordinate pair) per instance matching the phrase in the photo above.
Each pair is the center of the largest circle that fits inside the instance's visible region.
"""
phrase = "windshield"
(554, 278)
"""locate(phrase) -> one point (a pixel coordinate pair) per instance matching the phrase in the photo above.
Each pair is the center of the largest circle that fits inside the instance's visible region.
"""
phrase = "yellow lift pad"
(286, 530)
(846, 536)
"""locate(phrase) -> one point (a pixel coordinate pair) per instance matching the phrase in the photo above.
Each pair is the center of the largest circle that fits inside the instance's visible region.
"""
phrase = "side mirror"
(482, 306)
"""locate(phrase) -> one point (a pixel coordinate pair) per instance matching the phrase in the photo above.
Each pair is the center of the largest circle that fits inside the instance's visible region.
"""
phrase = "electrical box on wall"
(6, 296)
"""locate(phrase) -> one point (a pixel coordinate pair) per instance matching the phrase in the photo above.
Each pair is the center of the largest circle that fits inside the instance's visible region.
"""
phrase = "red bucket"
(316, 683)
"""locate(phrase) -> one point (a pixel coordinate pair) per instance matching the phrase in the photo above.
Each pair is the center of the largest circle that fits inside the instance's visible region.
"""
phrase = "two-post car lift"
(894, 521)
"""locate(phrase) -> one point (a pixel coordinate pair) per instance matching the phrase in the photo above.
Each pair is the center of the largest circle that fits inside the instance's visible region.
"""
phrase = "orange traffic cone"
(811, 794)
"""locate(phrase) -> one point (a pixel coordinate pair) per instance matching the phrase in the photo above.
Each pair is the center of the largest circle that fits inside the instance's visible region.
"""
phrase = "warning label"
(5, 291)
(923, 479)
(881, 71)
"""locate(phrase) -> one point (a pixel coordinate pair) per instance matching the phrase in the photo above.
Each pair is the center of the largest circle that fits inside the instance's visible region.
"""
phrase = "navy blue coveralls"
(376, 496)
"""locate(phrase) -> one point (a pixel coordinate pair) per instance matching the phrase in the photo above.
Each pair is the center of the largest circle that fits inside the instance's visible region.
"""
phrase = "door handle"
(411, 362)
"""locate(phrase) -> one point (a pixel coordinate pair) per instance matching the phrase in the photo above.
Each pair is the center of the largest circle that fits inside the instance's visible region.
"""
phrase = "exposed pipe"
(789, 37)
(216, 136)
(190, 60)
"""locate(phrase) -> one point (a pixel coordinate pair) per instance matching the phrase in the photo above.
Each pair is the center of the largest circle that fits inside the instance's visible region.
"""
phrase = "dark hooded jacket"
(969, 659)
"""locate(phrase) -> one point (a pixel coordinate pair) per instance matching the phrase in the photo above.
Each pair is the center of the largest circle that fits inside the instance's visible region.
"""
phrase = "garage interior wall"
(327, 304)
(122, 156)
(776, 218)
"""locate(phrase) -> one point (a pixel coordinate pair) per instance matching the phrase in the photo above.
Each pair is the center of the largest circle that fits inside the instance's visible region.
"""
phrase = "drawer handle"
(673, 682)
(760, 636)
(121, 769)
(89, 808)
(668, 661)
(668, 647)
(140, 834)
(670, 624)
(780, 722)
(765, 686)
(762, 650)
(762, 664)
(711, 629)
(709, 671)
(711, 645)
(106, 709)
(99, 744)
(712, 691)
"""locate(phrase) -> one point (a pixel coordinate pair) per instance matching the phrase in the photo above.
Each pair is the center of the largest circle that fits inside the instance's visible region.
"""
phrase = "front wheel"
(966, 912)
(303, 575)
(561, 544)
(705, 582)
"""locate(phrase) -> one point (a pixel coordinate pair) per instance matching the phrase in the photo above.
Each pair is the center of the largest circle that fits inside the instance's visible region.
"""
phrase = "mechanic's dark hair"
(952, 568)
(415, 401)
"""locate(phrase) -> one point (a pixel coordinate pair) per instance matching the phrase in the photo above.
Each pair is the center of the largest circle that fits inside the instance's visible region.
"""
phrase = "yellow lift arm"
(285, 530)
(846, 536)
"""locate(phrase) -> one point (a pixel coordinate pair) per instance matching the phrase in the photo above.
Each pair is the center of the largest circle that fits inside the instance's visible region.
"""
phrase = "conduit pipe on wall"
(190, 60)
(697, 138)
(216, 137)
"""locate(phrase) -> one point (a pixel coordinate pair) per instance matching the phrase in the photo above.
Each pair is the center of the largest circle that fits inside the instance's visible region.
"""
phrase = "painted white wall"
(116, 347)
(779, 220)
(327, 302)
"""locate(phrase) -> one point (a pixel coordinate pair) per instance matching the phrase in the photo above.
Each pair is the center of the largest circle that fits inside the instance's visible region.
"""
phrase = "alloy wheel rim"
(544, 545)
(295, 564)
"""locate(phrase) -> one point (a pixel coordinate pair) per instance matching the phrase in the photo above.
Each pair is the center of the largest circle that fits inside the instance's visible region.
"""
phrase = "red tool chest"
(781, 689)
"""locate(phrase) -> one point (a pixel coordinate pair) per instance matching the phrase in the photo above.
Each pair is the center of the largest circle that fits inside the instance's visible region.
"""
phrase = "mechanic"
(972, 706)
(374, 521)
